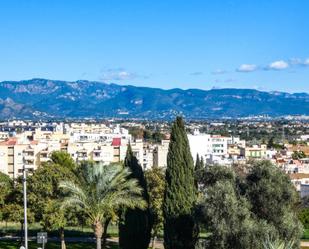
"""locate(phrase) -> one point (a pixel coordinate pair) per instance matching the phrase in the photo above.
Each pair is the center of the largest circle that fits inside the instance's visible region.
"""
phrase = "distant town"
(284, 142)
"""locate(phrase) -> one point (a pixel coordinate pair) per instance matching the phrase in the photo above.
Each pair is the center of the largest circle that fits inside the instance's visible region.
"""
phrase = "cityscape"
(154, 124)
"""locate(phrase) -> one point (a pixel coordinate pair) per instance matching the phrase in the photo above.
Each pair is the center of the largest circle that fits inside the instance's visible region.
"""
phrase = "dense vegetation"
(135, 224)
(244, 211)
(250, 207)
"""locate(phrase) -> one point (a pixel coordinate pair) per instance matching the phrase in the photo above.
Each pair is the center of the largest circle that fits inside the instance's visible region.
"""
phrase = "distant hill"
(39, 98)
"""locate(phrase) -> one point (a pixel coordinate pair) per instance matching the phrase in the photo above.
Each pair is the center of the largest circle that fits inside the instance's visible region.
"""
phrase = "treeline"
(195, 206)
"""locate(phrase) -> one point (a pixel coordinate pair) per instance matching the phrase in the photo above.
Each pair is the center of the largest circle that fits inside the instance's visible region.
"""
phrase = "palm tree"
(101, 190)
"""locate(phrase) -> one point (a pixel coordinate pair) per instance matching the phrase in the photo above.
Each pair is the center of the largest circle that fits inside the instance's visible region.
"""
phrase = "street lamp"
(25, 204)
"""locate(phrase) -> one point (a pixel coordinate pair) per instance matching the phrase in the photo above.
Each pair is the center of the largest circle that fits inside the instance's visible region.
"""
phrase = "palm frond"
(103, 190)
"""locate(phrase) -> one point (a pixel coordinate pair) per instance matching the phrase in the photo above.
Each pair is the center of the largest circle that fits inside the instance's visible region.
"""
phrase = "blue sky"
(159, 43)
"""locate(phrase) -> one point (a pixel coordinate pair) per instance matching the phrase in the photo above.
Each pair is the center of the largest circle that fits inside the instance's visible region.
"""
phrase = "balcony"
(44, 159)
(29, 157)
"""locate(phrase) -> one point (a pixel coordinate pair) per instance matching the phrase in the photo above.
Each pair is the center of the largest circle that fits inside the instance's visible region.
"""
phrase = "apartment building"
(15, 153)
(213, 148)
(160, 154)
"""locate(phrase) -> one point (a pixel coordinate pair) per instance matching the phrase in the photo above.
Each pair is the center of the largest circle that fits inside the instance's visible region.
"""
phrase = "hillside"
(38, 98)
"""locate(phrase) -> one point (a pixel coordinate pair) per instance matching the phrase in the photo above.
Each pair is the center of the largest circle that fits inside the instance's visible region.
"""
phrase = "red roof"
(116, 141)
(10, 141)
(34, 142)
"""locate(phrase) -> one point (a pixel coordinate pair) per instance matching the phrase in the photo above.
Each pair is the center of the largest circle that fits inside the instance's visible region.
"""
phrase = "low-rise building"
(255, 151)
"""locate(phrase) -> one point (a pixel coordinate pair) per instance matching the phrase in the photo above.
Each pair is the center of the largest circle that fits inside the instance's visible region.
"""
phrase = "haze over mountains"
(42, 98)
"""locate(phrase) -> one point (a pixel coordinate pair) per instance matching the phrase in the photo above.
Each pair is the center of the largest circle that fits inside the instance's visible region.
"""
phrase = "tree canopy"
(180, 231)
(135, 224)
(100, 190)
(244, 211)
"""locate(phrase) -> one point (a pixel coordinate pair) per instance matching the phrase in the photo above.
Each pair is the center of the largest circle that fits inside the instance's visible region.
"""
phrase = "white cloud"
(246, 68)
(278, 65)
(117, 74)
(219, 71)
(296, 61)
(299, 62)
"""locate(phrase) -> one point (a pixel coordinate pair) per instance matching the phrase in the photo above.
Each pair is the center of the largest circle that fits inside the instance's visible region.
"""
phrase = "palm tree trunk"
(106, 223)
(62, 238)
(99, 242)
(98, 231)
(153, 242)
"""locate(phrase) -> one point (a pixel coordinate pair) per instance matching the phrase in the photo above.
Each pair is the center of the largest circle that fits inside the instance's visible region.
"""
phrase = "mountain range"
(43, 98)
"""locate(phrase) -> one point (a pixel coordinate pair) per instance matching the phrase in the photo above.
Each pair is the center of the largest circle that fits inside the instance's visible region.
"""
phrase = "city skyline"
(174, 44)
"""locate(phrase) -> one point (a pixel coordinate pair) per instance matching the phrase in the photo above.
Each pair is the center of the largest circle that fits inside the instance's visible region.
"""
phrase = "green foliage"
(157, 136)
(198, 169)
(7, 244)
(63, 159)
(146, 134)
(272, 145)
(243, 212)
(278, 244)
(100, 191)
(136, 132)
(156, 184)
(14, 212)
(136, 224)
(213, 174)
(273, 198)
(303, 213)
(44, 183)
(6, 186)
(228, 218)
(298, 155)
(180, 192)
(12, 207)
(53, 217)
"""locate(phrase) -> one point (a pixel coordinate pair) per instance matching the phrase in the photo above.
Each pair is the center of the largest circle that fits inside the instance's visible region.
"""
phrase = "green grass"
(13, 229)
(33, 245)
(306, 234)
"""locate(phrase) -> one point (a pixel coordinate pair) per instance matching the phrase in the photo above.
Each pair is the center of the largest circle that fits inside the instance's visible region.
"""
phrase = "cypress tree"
(135, 224)
(202, 162)
(180, 231)
(198, 170)
(197, 162)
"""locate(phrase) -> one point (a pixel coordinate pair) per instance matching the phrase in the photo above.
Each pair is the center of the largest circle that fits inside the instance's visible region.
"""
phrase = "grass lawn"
(306, 234)
(33, 245)
(14, 230)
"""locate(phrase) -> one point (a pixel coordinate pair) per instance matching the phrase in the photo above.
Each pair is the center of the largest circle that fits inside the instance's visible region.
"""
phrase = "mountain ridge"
(39, 98)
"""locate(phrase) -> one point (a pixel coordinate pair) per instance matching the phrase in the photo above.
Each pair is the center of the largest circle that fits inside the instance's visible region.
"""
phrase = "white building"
(160, 154)
(213, 148)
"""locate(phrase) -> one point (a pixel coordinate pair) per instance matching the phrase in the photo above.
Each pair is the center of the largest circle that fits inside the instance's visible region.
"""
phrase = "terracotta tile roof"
(10, 141)
(296, 176)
